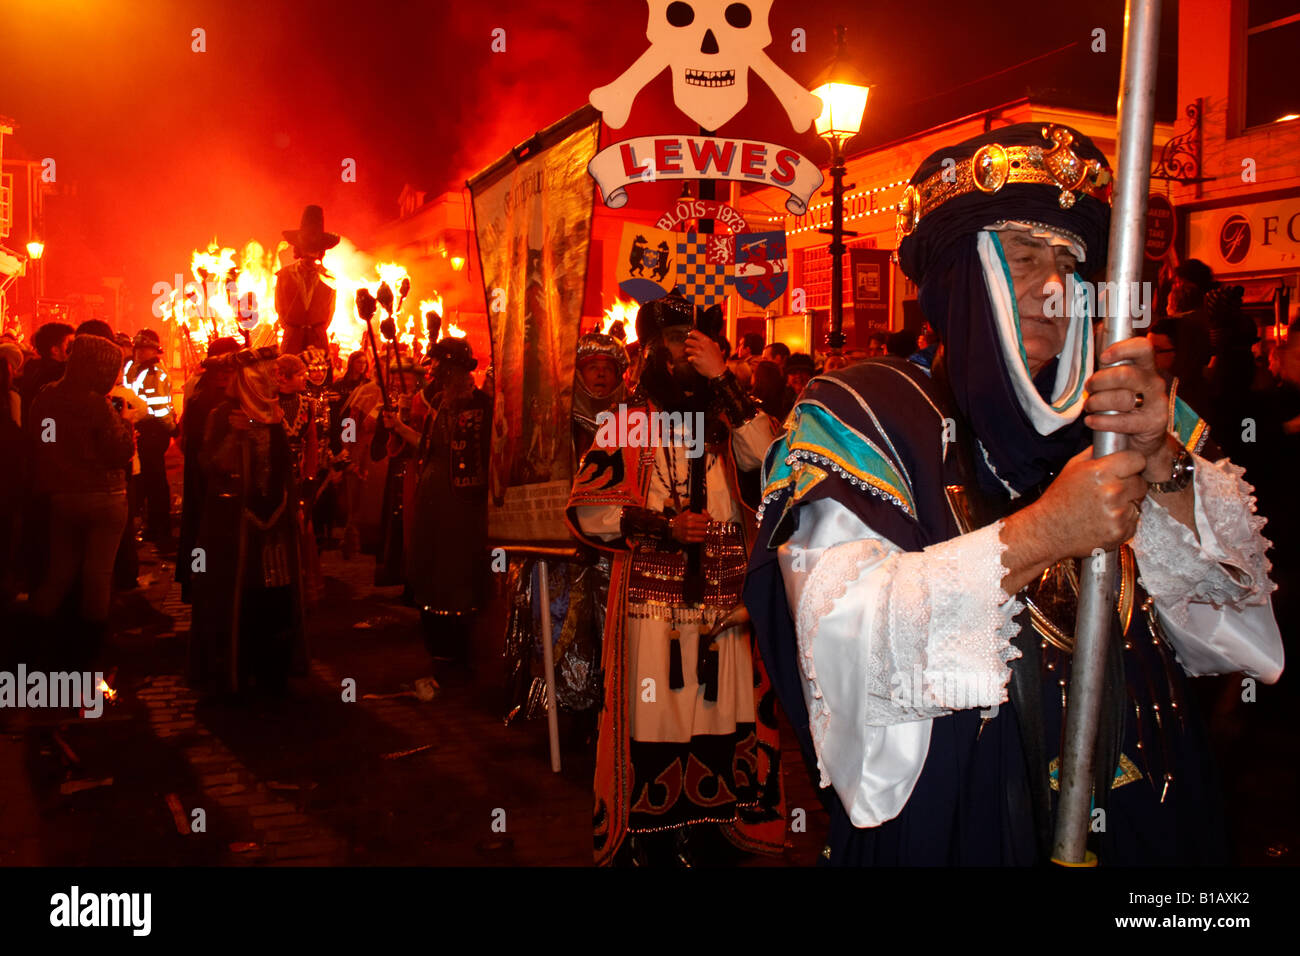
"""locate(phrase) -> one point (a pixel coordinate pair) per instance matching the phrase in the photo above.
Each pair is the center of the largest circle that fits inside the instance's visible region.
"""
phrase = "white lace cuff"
(1227, 567)
(929, 630)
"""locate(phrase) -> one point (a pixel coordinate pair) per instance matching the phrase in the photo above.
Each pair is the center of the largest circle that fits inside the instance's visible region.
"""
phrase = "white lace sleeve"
(1212, 595)
(887, 641)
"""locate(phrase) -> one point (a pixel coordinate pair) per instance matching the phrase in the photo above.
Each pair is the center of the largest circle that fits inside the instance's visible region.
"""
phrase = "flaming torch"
(621, 316)
(389, 329)
(366, 309)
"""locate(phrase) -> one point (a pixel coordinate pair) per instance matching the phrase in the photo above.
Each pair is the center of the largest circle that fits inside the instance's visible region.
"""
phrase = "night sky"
(166, 147)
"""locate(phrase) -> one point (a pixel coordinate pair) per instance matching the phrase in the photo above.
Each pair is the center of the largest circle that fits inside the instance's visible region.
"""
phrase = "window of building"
(1272, 39)
(814, 273)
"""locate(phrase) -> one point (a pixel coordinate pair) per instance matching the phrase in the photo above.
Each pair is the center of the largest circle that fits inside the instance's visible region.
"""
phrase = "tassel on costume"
(676, 680)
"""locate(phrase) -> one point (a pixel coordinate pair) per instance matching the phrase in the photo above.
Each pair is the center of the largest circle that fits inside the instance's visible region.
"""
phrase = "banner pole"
(548, 658)
(1135, 122)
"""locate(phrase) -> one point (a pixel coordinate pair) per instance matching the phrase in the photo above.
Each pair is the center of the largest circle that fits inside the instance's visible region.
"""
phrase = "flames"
(448, 329)
(624, 311)
(110, 695)
(231, 289)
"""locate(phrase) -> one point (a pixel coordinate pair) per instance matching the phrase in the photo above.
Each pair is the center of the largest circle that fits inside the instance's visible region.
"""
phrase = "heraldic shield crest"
(646, 262)
(761, 270)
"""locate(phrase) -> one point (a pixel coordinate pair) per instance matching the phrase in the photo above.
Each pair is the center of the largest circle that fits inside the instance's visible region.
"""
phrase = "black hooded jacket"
(79, 443)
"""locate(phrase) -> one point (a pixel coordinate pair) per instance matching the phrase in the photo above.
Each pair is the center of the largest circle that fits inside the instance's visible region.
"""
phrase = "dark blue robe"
(984, 797)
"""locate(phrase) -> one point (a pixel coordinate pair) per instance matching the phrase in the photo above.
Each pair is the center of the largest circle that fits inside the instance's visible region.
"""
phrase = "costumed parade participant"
(359, 395)
(209, 392)
(597, 385)
(147, 377)
(688, 735)
(303, 301)
(578, 588)
(347, 492)
(446, 557)
(322, 494)
(359, 419)
(392, 468)
(247, 632)
(300, 427)
(914, 584)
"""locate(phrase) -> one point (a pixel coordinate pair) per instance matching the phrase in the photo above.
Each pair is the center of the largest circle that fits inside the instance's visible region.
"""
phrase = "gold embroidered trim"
(994, 166)
(1126, 773)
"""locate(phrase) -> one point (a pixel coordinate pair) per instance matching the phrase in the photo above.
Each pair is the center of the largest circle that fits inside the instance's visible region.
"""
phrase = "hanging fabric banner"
(532, 219)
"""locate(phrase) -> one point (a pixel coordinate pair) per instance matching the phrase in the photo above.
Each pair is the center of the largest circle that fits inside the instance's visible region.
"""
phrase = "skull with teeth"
(710, 46)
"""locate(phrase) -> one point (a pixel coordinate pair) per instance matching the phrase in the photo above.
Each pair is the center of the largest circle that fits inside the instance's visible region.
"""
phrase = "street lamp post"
(36, 249)
(843, 93)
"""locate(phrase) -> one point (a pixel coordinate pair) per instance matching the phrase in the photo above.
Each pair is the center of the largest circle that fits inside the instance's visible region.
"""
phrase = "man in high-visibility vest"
(146, 376)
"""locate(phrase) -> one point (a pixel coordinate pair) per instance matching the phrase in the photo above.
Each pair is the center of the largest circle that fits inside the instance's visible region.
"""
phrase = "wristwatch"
(1179, 478)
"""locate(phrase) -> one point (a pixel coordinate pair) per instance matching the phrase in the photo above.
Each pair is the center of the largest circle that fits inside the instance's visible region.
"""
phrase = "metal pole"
(548, 659)
(693, 584)
(836, 338)
(1097, 584)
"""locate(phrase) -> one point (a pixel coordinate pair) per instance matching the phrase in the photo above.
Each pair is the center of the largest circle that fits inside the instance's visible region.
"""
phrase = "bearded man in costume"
(914, 584)
(688, 734)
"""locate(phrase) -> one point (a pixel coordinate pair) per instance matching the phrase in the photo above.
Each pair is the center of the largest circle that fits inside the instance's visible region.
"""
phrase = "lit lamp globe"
(36, 248)
(843, 105)
(843, 91)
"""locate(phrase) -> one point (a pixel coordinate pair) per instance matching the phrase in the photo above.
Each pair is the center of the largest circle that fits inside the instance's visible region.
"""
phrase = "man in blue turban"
(914, 582)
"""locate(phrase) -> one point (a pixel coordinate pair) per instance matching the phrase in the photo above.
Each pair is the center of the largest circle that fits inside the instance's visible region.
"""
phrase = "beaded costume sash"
(658, 572)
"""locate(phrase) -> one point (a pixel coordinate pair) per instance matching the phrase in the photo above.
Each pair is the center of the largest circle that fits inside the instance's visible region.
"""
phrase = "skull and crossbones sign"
(711, 45)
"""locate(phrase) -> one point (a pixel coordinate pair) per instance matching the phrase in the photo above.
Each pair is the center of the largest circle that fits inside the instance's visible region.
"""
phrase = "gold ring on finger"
(1138, 400)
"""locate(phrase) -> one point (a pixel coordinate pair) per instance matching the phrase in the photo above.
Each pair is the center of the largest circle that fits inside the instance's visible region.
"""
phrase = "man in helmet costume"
(579, 587)
(914, 581)
(598, 384)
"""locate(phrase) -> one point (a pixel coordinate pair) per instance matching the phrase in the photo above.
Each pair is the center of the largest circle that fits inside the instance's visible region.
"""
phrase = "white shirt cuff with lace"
(1212, 594)
(888, 640)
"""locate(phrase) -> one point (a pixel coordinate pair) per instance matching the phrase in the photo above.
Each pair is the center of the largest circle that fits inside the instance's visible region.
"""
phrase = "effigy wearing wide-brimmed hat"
(310, 236)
